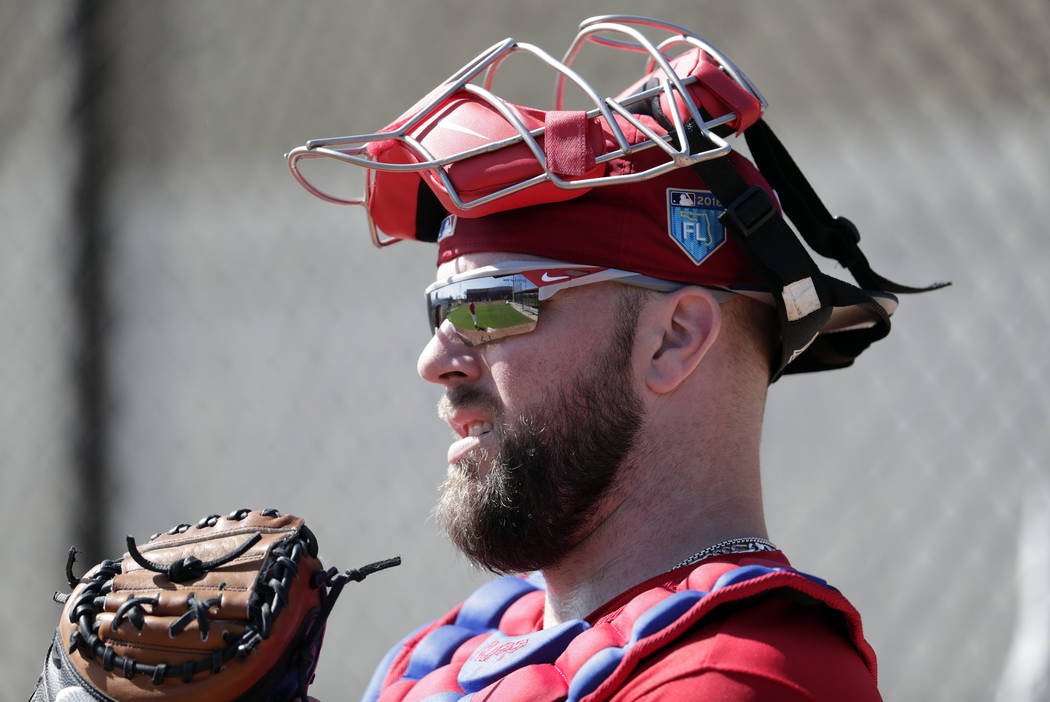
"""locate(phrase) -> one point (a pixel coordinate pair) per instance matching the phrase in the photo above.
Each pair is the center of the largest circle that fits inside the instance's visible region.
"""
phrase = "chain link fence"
(187, 331)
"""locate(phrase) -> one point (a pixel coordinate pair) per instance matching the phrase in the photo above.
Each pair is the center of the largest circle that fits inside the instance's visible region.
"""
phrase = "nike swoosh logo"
(548, 278)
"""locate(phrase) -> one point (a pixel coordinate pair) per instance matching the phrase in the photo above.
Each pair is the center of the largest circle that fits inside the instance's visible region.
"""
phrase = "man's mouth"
(471, 414)
(472, 435)
(478, 428)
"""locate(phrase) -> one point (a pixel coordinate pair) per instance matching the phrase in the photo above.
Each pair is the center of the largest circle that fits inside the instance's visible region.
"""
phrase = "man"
(608, 443)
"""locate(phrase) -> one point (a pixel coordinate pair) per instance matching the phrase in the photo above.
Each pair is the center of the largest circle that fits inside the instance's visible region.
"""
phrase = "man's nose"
(447, 359)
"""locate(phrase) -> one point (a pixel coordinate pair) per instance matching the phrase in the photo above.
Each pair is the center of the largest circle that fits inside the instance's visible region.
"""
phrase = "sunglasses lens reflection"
(484, 309)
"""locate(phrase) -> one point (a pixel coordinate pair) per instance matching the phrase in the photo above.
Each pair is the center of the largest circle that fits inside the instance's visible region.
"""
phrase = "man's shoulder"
(774, 647)
(744, 627)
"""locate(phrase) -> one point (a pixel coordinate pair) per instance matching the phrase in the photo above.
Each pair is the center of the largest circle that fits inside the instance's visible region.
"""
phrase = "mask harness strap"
(836, 238)
(804, 295)
(799, 290)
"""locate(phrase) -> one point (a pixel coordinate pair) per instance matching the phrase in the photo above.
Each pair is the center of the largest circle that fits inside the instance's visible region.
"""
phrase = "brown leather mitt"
(231, 608)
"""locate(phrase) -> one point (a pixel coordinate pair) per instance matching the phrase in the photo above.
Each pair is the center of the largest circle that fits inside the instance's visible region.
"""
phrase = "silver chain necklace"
(744, 544)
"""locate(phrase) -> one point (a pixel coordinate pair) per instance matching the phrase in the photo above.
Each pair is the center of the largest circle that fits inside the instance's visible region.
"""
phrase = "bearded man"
(642, 290)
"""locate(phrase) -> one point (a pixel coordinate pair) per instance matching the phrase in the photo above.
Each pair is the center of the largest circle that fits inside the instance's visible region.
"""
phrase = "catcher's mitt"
(232, 608)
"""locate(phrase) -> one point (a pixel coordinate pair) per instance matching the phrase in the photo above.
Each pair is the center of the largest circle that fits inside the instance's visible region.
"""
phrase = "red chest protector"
(489, 647)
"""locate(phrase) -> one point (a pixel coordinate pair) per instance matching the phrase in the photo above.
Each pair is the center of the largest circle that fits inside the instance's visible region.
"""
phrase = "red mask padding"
(571, 143)
(713, 91)
(598, 229)
(466, 123)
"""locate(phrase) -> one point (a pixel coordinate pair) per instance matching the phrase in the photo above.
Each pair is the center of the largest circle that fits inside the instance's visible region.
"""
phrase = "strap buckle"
(749, 212)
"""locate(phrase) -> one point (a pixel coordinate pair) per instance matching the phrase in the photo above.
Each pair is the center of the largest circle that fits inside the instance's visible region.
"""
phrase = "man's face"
(543, 424)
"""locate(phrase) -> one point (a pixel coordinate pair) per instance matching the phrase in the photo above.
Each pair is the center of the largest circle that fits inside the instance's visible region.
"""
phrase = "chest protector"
(489, 648)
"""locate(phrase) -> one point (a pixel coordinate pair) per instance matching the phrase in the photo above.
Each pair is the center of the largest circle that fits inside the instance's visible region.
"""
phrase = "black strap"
(839, 349)
(832, 237)
(775, 251)
(429, 213)
(753, 221)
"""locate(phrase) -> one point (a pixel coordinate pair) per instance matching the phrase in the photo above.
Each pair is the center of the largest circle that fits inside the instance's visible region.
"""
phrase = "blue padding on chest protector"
(500, 655)
(483, 610)
(591, 674)
(658, 617)
(663, 613)
(444, 697)
(436, 649)
(818, 581)
(741, 574)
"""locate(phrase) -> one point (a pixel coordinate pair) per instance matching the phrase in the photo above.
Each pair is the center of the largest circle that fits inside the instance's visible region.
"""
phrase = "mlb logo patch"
(692, 221)
(448, 227)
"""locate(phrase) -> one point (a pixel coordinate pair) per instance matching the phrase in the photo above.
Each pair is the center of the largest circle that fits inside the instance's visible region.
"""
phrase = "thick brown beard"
(532, 503)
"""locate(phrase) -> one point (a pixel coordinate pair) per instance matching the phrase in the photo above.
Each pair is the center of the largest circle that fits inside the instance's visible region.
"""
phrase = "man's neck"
(691, 480)
(646, 532)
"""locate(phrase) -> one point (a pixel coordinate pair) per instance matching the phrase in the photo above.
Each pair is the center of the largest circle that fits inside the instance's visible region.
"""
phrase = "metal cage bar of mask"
(353, 149)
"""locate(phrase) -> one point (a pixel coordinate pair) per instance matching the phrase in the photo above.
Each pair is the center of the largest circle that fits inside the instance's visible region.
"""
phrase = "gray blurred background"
(187, 331)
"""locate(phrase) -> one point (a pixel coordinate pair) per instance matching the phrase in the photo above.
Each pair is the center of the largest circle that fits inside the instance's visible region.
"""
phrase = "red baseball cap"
(666, 227)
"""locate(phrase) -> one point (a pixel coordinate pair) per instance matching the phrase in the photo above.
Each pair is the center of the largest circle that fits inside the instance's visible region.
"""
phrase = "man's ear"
(688, 322)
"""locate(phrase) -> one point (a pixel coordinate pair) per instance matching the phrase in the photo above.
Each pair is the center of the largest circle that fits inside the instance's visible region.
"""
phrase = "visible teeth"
(478, 428)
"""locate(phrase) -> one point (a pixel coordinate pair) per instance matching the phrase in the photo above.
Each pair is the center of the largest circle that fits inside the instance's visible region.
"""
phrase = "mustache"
(464, 396)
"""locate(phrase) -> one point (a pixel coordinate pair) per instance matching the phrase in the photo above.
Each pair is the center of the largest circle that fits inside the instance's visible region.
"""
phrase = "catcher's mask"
(646, 181)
